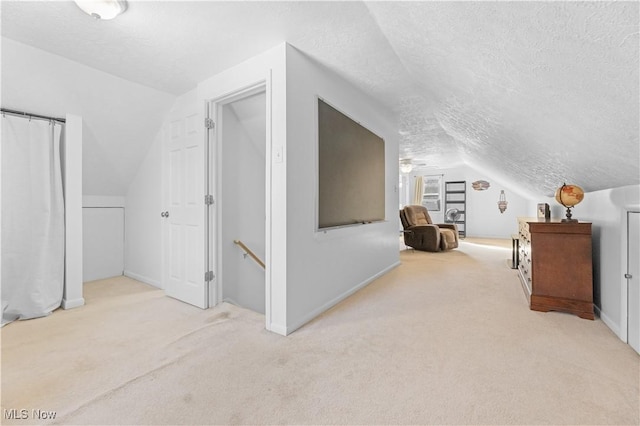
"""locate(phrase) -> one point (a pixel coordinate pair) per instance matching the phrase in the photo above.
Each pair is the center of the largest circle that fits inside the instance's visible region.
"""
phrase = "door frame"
(624, 288)
(213, 171)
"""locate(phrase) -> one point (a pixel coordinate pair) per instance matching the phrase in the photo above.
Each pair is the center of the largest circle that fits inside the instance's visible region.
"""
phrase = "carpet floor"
(445, 338)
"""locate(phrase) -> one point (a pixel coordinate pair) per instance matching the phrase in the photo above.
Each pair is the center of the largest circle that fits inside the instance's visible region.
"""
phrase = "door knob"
(164, 214)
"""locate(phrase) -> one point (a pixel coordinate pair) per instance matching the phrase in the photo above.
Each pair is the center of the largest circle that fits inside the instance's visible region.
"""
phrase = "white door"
(184, 212)
(633, 282)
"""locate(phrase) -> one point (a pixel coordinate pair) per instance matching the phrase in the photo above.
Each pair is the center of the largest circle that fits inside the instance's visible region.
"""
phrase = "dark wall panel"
(351, 171)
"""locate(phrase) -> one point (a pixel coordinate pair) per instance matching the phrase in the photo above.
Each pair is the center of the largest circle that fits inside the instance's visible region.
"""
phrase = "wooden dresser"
(555, 266)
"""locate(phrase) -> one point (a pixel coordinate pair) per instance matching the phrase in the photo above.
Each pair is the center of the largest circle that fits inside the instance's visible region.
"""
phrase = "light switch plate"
(278, 154)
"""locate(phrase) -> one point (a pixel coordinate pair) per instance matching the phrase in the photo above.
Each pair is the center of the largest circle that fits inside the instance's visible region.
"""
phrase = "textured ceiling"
(541, 92)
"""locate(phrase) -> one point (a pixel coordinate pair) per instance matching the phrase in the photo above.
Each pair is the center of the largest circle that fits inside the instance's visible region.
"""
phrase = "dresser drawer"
(525, 276)
(524, 231)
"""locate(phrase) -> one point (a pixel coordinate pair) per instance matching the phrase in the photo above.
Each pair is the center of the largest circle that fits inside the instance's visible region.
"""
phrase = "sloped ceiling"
(541, 92)
(120, 118)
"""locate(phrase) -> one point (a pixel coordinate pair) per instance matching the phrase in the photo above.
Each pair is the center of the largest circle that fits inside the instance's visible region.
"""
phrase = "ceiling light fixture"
(102, 9)
(406, 166)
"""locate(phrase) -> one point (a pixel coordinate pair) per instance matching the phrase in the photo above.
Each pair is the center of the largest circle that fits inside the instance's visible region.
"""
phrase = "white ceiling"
(542, 92)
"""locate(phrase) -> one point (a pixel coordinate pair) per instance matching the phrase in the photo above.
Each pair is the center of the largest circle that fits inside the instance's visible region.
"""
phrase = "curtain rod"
(27, 114)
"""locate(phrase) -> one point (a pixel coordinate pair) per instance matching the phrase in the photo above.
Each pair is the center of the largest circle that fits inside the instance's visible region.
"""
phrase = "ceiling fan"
(407, 165)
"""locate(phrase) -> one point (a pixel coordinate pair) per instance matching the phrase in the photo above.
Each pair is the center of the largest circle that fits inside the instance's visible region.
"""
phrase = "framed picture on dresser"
(543, 212)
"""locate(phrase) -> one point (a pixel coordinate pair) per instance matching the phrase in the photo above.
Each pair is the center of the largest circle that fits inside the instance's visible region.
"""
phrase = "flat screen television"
(351, 171)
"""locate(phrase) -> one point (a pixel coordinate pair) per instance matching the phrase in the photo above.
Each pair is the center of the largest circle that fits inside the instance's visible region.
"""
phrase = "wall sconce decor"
(569, 196)
(502, 202)
(480, 185)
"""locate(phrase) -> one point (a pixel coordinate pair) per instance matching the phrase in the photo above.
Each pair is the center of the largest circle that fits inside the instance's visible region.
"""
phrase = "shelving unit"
(455, 197)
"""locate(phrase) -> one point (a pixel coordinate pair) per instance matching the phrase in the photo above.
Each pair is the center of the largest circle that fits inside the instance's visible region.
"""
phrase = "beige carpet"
(446, 338)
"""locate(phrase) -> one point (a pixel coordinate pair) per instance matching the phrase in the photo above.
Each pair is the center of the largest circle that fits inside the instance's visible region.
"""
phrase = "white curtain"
(418, 191)
(32, 218)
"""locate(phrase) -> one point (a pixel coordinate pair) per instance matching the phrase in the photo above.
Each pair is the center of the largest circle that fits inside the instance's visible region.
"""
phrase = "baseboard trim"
(231, 301)
(143, 279)
(278, 329)
(296, 325)
(609, 323)
(73, 303)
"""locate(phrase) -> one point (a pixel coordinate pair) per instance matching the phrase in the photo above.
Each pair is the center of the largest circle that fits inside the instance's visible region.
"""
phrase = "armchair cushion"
(449, 233)
(418, 215)
(448, 239)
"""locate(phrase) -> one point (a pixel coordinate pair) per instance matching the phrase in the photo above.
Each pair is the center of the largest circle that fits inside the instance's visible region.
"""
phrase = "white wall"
(120, 118)
(102, 236)
(143, 233)
(606, 210)
(483, 217)
(94, 201)
(325, 267)
(71, 154)
(103, 242)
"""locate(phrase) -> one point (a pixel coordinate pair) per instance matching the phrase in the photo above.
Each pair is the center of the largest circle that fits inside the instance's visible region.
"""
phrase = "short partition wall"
(103, 242)
(72, 184)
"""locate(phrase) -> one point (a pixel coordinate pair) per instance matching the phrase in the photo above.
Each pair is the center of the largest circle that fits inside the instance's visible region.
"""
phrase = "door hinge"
(209, 123)
(208, 276)
(208, 200)
(628, 276)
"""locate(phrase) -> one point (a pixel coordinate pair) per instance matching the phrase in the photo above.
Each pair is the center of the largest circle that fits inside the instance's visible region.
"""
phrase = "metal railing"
(247, 251)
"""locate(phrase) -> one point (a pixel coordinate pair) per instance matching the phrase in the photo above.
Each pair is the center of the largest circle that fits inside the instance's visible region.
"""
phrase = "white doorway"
(633, 280)
(239, 178)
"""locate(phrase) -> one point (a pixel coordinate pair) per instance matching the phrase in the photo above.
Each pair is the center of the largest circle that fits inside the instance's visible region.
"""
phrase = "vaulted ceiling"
(538, 92)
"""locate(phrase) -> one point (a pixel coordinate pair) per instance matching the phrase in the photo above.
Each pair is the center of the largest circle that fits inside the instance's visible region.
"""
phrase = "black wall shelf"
(455, 197)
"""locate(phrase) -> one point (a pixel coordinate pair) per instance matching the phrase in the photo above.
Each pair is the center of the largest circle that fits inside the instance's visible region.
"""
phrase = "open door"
(633, 280)
(238, 181)
(184, 234)
(242, 149)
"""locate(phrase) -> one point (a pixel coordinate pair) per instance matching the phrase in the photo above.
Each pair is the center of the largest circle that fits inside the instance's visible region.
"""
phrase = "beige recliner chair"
(422, 234)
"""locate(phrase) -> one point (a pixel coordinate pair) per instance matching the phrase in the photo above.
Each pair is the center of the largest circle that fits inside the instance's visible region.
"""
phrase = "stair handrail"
(248, 251)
